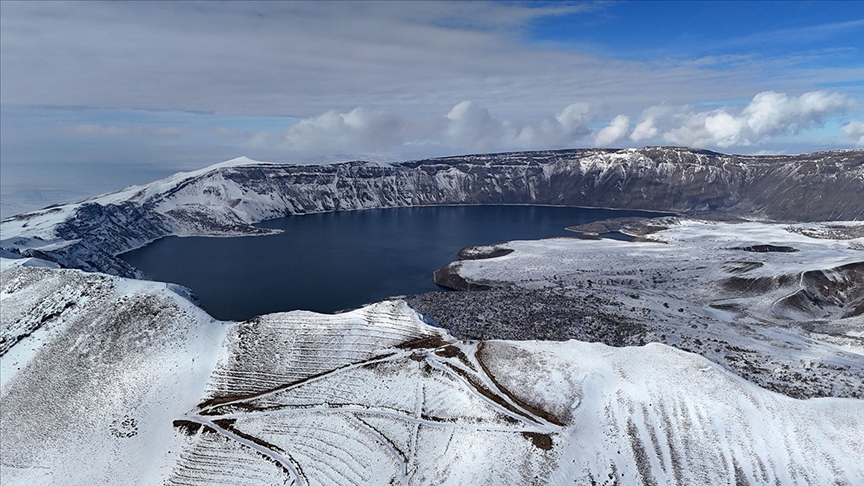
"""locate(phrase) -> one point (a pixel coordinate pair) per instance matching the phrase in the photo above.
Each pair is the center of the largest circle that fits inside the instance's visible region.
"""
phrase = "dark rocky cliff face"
(225, 201)
(813, 187)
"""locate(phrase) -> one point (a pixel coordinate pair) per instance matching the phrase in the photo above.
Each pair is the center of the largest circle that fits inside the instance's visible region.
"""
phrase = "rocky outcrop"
(830, 294)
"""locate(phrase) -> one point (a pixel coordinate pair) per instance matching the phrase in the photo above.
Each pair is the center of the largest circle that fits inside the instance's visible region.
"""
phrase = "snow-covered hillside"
(711, 350)
(126, 382)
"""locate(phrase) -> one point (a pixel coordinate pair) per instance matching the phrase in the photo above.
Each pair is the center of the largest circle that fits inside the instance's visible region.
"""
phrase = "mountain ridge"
(226, 199)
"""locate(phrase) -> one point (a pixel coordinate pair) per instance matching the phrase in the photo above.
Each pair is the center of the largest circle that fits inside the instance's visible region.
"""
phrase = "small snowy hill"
(125, 382)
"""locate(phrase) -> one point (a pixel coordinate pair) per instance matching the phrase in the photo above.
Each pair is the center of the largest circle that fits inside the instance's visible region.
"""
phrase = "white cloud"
(358, 129)
(565, 128)
(305, 58)
(644, 130)
(854, 130)
(772, 113)
(469, 126)
(617, 129)
(575, 118)
(769, 114)
(647, 127)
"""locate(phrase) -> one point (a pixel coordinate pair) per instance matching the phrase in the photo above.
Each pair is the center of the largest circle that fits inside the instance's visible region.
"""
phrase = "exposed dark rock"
(748, 286)
(738, 267)
(520, 314)
(767, 249)
(448, 276)
(826, 294)
(631, 226)
(832, 232)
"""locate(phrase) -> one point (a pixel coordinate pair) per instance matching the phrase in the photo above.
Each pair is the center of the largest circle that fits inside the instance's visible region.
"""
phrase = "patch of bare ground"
(426, 342)
(482, 252)
(519, 314)
(767, 248)
(540, 441)
(188, 427)
(549, 417)
(635, 226)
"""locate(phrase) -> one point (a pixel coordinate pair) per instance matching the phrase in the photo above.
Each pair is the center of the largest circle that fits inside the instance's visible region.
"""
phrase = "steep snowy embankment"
(94, 368)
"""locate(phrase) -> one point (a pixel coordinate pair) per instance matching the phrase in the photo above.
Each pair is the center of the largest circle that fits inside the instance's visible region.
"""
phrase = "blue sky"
(821, 33)
(95, 96)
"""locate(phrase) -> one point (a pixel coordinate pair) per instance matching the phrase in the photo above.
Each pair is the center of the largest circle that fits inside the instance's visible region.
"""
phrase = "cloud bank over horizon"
(469, 126)
(96, 95)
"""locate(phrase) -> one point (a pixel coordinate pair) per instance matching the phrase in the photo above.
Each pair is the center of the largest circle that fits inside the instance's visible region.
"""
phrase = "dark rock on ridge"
(522, 314)
(634, 226)
(767, 248)
(482, 252)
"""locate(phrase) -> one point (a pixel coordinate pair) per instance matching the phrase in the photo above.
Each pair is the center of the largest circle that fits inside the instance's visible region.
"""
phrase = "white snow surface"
(686, 262)
(105, 391)
(789, 321)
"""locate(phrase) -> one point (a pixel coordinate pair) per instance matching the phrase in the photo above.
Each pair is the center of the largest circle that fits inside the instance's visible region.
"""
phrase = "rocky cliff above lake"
(227, 198)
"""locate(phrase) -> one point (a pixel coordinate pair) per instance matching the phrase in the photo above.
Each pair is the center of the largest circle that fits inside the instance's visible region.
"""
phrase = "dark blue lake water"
(341, 260)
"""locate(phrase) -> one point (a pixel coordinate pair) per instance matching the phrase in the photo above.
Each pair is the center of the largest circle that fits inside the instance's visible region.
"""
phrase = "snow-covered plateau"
(722, 346)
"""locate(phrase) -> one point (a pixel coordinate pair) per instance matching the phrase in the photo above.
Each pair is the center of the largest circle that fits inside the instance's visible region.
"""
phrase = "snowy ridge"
(98, 368)
(375, 396)
(227, 198)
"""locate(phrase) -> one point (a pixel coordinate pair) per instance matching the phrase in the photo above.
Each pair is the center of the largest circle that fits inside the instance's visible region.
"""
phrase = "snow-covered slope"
(791, 321)
(225, 199)
(97, 369)
(105, 379)
(134, 385)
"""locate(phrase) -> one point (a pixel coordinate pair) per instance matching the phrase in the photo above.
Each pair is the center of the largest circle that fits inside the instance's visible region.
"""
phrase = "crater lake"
(327, 262)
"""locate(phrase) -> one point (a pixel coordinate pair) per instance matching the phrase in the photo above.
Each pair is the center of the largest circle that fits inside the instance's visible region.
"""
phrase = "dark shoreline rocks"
(448, 276)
